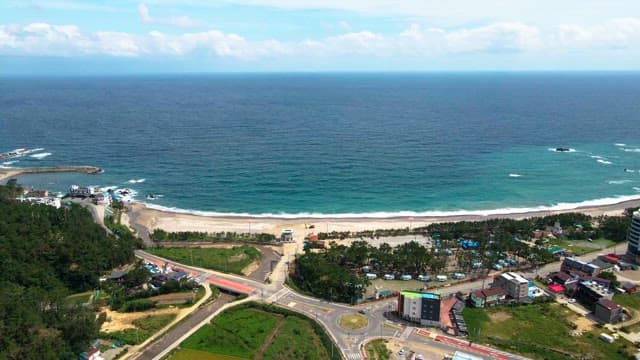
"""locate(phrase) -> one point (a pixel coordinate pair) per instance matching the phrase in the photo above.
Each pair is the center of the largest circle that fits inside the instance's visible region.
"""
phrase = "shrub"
(137, 305)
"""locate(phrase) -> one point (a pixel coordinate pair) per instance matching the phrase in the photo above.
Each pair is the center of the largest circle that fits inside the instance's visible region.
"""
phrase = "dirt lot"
(175, 298)
(584, 324)
(121, 321)
(251, 268)
(499, 316)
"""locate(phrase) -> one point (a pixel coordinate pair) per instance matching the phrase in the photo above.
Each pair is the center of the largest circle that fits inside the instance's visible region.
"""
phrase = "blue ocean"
(335, 144)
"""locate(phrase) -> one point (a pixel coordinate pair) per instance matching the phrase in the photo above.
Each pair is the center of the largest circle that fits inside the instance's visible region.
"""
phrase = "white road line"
(354, 356)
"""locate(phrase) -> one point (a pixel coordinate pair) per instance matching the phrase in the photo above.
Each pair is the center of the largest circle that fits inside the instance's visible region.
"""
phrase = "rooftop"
(515, 277)
(419, 294)
(608, 304)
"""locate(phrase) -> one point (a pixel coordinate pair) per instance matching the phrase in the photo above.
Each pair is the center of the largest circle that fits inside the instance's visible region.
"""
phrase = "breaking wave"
(40, 155)
(406, 214)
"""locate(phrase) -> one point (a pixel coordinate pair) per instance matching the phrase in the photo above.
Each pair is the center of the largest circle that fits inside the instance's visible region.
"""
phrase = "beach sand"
(176, 222)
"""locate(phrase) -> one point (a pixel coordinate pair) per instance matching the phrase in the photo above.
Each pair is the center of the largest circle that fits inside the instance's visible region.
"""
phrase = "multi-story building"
(578, 268)
(514, 285)
(590, 292)
(420, 307)
(607, 311)
(633, 248)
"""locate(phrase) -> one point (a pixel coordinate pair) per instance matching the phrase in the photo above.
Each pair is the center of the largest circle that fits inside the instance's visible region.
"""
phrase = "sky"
(199, 36)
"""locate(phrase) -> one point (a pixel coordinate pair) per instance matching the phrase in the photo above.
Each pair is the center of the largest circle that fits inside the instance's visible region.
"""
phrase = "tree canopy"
(46, 254)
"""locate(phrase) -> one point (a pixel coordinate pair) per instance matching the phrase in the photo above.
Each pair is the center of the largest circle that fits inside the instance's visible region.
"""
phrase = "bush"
(137, 305)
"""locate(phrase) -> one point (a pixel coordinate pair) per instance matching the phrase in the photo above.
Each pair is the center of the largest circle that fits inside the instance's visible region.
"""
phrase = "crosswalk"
(353, 356)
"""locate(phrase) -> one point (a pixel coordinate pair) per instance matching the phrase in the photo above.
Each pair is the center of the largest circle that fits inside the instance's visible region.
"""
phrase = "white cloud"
(455, 12)
(179, 21)
(43, 39)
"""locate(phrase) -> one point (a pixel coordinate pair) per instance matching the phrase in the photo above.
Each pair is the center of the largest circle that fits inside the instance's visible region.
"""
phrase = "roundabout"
(353, 321)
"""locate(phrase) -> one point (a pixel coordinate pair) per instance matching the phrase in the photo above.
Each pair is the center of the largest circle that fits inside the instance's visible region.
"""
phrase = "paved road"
(328, 314)
(183, 327)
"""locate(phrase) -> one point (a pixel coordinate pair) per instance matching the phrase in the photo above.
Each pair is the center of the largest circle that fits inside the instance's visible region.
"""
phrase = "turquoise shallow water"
(347, 144)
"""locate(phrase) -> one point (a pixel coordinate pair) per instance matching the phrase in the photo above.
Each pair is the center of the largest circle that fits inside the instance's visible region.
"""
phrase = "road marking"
(354, 356)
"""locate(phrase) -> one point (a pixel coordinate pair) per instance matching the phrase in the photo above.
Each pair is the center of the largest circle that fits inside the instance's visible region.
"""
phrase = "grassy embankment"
(252, 330)
(541, 331)
(144, 328)
(231, 260)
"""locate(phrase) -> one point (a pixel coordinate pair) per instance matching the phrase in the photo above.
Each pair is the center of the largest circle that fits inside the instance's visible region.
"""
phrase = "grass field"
(541, 331)
(296, 340)
(628, 300)
(377, 350)
(191, 354)
(252, 330)
(353, 321)
(145, 327)
(236, 333)
(81, 298)
(231, 260)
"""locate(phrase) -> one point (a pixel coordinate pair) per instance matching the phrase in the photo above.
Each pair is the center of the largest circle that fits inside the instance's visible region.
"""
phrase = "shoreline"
(171, 221)
(6, 173)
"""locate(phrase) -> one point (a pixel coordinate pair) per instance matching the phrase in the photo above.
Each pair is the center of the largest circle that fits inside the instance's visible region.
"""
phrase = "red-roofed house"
(630, 288)
(487, 297)
(555, 288)
(607, 311)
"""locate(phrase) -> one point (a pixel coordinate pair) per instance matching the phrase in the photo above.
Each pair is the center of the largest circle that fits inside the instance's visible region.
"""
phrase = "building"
(577, 268)
(80, 191)
(561, 278)
(589, 293)
(286, 235)
(603, 265)
(607, 311)
(630, 288)
(459, 355)
(33, 193)
(514, 285)
(91, 354)
(419, 307)
(633, 238)
(487, 297)
(102, 199)
(50, 201)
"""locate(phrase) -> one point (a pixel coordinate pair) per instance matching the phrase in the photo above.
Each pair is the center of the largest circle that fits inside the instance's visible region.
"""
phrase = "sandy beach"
(175, 222)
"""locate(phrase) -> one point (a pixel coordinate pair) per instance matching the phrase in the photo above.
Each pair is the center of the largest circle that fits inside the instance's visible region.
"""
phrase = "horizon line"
(321, 72)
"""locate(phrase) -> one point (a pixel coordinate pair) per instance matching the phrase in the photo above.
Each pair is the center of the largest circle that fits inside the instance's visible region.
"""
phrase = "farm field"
(232, 260)
(257, 331)
(542, 331)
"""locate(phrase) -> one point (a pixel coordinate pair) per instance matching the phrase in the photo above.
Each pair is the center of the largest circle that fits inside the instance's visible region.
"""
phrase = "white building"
(81, 191)
(514, 285)
(633, 248)
(51, 201)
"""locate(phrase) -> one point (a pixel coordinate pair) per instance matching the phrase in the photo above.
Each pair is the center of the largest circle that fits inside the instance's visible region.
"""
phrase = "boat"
(561, 149)
(151, 197)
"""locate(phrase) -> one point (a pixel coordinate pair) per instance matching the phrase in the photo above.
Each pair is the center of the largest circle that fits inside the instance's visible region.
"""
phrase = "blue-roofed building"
(469, 244)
